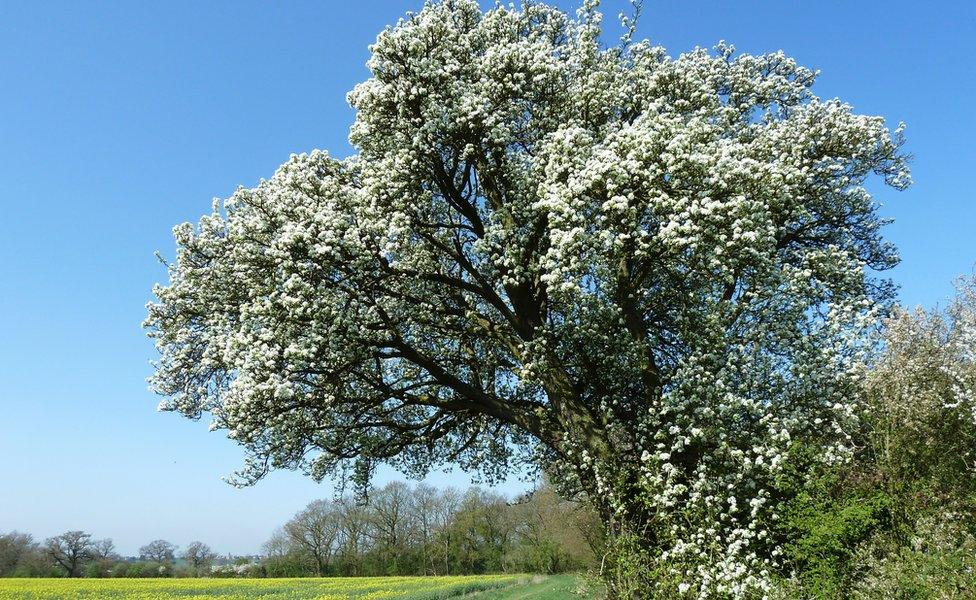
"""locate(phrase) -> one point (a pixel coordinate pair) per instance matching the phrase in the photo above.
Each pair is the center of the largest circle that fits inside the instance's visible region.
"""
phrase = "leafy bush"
(939, 563)
(825, 529)
(899, 520)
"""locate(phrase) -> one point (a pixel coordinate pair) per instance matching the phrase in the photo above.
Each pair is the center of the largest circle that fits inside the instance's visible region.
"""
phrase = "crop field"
(480, 587)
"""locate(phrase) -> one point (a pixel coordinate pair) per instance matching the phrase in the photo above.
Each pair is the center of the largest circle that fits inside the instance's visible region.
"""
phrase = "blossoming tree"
(648, 275)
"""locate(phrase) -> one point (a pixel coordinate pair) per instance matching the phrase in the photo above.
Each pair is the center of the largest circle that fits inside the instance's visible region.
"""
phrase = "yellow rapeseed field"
(332, 588)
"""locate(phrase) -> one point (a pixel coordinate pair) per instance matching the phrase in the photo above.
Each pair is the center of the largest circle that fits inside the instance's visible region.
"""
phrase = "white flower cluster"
(928, 366)
(235, 570)
(650, 273)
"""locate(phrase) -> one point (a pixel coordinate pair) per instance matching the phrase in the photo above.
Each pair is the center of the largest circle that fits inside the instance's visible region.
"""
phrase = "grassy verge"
(553, 587)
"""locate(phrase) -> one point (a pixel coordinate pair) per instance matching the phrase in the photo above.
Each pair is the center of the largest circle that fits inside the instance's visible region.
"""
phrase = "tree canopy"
(650, 276)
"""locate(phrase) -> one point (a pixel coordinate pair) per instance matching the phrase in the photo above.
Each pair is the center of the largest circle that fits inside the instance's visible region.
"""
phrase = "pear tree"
(648, 275)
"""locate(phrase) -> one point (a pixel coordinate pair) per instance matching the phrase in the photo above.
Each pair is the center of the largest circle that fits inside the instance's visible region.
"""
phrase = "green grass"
(553, 587)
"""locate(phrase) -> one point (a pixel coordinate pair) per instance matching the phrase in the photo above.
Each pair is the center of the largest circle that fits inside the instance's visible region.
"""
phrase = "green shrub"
(938, 564)
(824, 535)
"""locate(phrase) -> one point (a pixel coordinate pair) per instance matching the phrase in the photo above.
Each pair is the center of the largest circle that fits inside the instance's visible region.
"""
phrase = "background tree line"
(420, 530)
(78, 554)
(398, 529)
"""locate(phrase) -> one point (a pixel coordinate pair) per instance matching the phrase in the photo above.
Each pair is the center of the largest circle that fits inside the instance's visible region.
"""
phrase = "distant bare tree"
(392, 519)
(70, 550)
(447, 508)
(14, 547)
(278, 546)
(103, 549)
(198, 555)
(284, 558)
(354, 533)
(425, 502)
(159, 551)
(315, 529)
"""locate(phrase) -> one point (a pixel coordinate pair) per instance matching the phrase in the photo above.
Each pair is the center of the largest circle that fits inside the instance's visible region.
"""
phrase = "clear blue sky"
(119, 120)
